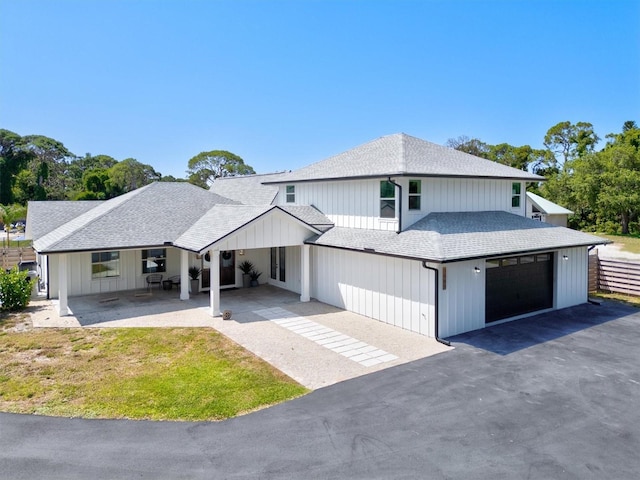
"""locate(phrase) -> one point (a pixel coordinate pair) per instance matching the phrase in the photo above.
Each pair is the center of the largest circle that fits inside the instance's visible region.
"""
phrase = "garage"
(518, 285)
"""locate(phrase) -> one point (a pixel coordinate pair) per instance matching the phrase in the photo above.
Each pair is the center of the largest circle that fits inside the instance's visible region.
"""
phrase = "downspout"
(436, 306)
(399, 203)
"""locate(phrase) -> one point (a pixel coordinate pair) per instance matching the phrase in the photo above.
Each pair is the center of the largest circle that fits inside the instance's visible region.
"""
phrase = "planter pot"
(195, 286)
(246, 280)
(254, 283)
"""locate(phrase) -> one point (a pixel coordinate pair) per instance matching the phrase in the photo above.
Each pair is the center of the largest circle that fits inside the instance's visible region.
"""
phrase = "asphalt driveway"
(555, 396)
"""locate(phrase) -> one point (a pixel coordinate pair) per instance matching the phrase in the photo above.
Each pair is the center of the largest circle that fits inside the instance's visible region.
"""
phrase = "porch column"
(184, 275)
(63, 306)
(214, 282)
(305, 274)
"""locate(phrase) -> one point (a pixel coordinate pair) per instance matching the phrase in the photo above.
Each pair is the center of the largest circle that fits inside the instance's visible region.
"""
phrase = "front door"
(278, 264)
(227, 269)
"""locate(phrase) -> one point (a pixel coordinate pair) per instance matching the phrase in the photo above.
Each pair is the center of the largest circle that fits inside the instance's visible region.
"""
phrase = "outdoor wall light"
(476, 270)
(240, 252)
(565, 257)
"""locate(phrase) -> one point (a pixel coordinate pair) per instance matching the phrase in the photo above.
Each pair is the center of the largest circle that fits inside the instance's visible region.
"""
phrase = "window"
(515, 194)
(415, 190)
(154, 260)
(105, 264)
(387, 199)
(291, 193)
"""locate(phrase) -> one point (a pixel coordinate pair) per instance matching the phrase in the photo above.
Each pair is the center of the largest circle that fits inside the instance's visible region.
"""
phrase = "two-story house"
(410, 233)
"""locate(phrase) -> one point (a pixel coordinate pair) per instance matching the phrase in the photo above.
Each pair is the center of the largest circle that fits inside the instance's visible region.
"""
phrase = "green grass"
(628, 243)
(632, 300)
(138, 373)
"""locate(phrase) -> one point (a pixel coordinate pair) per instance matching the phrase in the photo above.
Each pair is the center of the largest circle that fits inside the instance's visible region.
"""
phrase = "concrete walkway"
(312, 342)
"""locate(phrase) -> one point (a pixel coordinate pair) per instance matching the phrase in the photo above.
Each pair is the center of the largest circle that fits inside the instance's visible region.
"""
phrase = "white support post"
(63, 305)
(214, 289)
(184, 275)
(305, 274)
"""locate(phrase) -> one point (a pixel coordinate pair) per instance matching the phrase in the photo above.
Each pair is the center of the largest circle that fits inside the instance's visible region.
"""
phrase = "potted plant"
(246, 268)
(254, 277)
(194, 274)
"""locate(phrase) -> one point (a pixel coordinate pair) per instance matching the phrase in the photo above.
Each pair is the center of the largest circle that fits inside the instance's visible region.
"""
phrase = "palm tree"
(10, 214)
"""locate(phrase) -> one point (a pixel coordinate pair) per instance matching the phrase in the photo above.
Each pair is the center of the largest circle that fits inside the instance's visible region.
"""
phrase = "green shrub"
(15, 290)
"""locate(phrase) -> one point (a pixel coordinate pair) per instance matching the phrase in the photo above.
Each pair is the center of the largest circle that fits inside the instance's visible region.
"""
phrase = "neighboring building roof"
(248, 189)
(403, 155)
(223, 220)
(546, 206)
(447, 237)
(45, 216)
(149, 216)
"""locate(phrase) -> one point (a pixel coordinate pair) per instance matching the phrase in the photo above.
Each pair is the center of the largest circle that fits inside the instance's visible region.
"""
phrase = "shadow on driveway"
(511, 337)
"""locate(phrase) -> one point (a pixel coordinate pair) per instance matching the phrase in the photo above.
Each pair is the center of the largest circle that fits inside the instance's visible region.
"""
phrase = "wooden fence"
(13, 255)
(614, 276)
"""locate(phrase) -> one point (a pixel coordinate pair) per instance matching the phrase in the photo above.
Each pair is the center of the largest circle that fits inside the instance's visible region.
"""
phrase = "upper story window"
(515, 194)
(105, 264)
(387, 199)
(154, 260)
(415, 193)
(291, 193)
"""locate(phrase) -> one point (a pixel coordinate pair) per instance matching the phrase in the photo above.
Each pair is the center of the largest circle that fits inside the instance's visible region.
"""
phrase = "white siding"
(275, 229)
(131, 276)
(395, 291)
(462, 301)
(352, 203)
(356, 203)
(572, 276)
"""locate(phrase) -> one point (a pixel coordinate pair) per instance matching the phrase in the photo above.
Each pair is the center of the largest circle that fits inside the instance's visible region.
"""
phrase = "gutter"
(399, 203)
(437, 315)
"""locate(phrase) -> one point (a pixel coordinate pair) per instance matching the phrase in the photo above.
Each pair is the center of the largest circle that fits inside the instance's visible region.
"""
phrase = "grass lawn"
(138, 373)
(628, 243)
(632, 300)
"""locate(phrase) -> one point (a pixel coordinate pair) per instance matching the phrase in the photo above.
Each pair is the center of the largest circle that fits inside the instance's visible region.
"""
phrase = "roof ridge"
(82, 222)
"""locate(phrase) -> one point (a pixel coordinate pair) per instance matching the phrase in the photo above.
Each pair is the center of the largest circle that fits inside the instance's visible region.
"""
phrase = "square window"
(387, 189)
(154, 260)
(387, 209)
(414, 186)
(105, 264)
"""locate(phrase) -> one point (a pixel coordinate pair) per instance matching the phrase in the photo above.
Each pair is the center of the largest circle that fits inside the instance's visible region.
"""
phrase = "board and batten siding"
(275, 229)
(396, 291)
(79, 279)
(462, 297)
(356, 203)
(572, 277)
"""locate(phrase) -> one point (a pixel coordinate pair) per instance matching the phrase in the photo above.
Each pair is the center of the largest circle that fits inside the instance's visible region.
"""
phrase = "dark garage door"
(518, 285)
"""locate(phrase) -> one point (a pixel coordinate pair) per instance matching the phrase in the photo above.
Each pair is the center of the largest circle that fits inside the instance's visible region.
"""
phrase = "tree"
(609, 181)
(49, 164)
(10, 214)
(570, 141)
(13, 158)
(206, 167)
(130, 174)
(472, 146)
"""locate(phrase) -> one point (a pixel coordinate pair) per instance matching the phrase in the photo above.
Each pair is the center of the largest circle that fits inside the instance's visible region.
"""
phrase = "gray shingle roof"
(45, 216)
(403, 155)
(446, 237)
(149, 216)
(309, 215)
(222, 220)
(248, 189)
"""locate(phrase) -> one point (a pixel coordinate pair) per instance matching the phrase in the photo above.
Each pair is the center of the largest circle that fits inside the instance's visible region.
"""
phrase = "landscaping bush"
(15, 290)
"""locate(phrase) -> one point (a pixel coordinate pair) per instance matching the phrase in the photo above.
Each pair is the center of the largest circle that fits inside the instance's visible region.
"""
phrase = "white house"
(410, 233)
(544, 210)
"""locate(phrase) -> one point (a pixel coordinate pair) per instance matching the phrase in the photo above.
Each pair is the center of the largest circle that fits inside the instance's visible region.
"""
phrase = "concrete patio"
(312, 342)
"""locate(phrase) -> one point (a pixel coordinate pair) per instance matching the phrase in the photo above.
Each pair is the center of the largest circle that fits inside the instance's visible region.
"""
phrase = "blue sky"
(286, 83)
